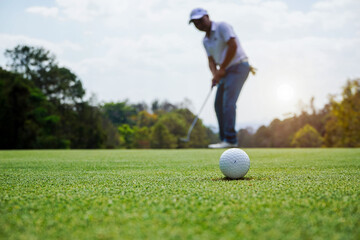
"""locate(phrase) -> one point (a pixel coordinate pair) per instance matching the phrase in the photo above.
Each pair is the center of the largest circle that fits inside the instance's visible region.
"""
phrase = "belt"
(238, 62)
(242, 61)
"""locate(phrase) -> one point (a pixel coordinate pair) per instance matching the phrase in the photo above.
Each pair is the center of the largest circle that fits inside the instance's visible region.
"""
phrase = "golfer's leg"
(235, 79)
(219, 109)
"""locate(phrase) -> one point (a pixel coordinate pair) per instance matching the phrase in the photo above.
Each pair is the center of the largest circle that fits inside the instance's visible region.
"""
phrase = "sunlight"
(285, 92)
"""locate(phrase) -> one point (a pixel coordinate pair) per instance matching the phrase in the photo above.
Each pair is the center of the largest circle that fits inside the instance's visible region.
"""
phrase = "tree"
(307, 137)
(27, 118)
(86, 127)
(245, 137)
(280, 132)
(31, 62)
(155, 105)
(15, 105)
(161, 137)
(65, 86)
(262, 137)
(120, 113)
(164, 107)
(201, 136)
(126, 136)
(142, 137)
(175, 126)
(140, 107)
(145, 119)
(175, 123)
(111, 132)
(40, 67)
(42, 105)
(343, 126)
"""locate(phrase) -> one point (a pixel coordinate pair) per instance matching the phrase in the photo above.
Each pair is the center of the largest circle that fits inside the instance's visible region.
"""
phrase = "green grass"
(179, 194)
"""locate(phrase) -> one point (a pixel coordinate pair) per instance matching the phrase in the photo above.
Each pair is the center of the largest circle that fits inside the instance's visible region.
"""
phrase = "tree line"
(337, 124)
(42, 106)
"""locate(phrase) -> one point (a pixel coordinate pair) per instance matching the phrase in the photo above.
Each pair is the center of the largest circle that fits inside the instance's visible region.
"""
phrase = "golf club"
(196, 118)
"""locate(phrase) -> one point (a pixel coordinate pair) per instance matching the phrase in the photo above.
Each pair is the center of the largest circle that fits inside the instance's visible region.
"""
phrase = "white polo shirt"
(216, 46)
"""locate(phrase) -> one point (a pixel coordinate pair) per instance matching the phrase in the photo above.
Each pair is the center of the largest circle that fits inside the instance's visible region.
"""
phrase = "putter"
(196, 118)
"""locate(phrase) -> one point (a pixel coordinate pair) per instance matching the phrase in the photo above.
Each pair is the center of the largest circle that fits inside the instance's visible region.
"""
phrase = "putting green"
(179, 194)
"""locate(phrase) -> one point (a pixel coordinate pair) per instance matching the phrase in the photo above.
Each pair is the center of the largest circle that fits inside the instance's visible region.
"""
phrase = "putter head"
(184, 139)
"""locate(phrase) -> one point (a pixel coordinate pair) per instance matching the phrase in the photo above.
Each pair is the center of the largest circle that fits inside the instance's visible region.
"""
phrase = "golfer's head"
(200, 18)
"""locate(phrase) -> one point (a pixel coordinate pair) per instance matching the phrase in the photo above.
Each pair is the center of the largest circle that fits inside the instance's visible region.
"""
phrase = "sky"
(142, 50)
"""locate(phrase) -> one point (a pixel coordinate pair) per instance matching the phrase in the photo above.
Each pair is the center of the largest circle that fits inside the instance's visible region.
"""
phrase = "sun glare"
(285, 92)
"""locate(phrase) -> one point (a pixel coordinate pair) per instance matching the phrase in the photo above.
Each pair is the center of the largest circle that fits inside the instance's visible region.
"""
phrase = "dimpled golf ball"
(234, 163)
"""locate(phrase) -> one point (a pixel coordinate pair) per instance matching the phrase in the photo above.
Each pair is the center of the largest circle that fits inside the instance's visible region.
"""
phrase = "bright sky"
(143, 50)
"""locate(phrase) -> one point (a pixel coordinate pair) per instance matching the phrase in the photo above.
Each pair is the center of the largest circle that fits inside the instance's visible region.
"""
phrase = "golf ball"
(234, 163)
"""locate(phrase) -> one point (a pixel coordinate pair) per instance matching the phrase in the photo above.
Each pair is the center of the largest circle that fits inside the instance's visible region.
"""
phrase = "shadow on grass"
(242, 179)
(239, 179)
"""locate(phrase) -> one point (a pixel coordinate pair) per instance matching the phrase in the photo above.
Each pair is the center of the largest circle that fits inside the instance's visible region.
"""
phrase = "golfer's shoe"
(223, 145)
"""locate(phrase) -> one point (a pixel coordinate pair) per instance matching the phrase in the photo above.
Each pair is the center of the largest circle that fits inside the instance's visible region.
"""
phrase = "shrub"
(307, 137)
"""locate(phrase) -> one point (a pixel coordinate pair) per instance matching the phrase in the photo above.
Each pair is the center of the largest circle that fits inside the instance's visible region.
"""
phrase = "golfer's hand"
(219, 74)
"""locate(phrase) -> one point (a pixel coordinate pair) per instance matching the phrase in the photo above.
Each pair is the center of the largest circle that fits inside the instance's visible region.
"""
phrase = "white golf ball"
(234, 163)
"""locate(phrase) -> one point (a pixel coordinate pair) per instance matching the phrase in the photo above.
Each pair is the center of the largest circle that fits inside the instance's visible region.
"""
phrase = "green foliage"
(120, 113)
(40, 67)
(179, 194)
(200, 136)
(24, 113)
(41, 106)
(175, 123)
(111, 133)
(31, 62)
(343, 127)
(86, 129)
(64, 86)
(126, 135)
(161, 137)
(162, 129)
(146, 119)
(134, 137)
(49, 142)
(142, 137)
(307, 137)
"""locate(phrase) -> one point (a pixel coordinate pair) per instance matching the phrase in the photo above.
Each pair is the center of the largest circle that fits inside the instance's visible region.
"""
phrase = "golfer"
(229, 66)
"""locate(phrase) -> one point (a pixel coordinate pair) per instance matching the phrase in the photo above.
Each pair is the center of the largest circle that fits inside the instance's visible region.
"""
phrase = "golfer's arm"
(230, 53)
(212, 65)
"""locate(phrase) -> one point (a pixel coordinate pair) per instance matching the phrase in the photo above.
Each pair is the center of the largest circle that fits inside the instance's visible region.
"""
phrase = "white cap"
(197, 13)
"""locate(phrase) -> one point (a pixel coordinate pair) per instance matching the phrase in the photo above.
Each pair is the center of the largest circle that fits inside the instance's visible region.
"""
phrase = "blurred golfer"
(230, 68)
